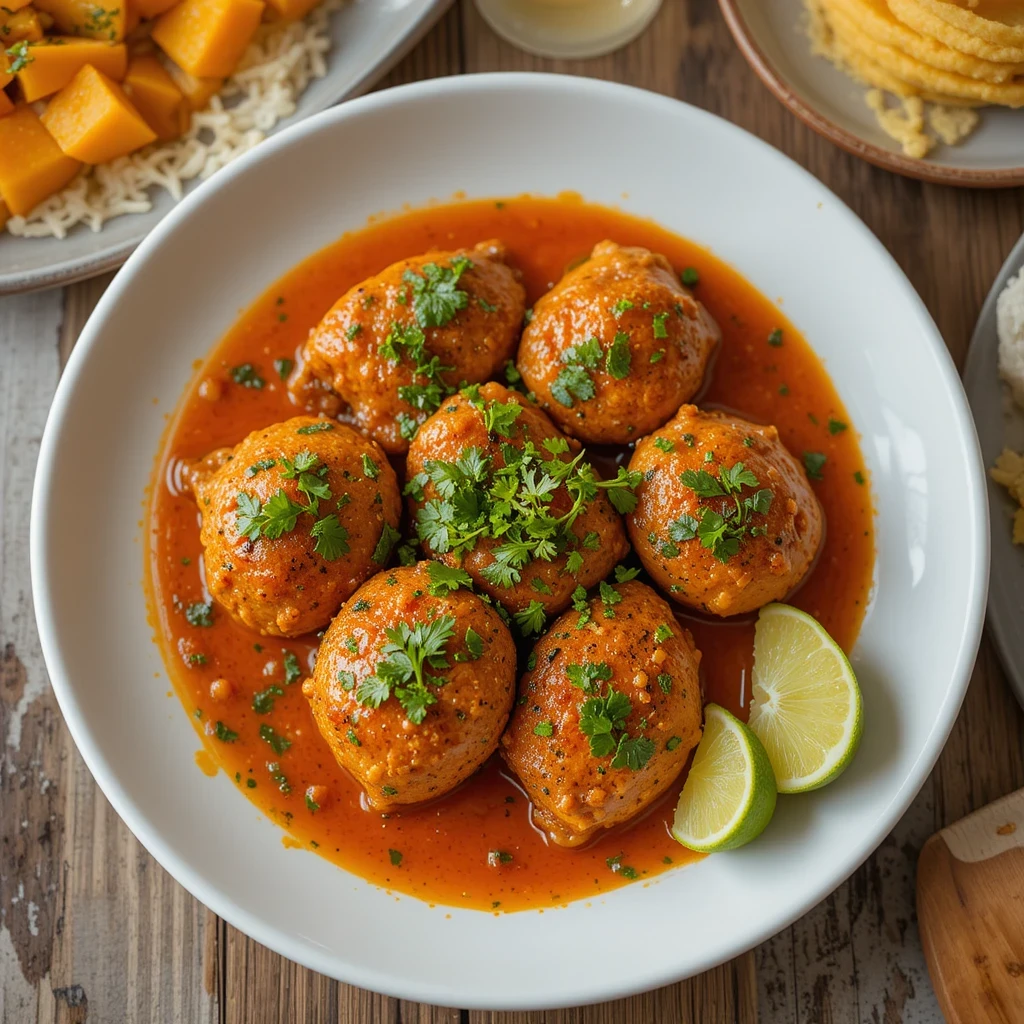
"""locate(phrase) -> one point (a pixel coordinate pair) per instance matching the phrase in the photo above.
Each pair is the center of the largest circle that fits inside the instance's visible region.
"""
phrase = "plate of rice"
(994, 381)
(289, 71)
(928, 88)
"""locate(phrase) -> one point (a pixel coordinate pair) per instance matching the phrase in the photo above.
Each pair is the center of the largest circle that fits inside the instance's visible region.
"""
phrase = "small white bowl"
(497, 135)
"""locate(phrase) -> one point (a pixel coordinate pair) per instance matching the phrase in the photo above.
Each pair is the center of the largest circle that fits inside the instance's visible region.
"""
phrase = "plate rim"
(922, 170)
(253, 925)
(1000, 620)
(69, 271)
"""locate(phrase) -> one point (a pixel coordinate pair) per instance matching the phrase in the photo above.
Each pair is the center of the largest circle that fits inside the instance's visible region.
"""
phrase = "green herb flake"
(660, 330)
(665, 682)
(690, 277)
(664, 444)
(279, 744)
(224, 734)
(775, 338)
(619, 357)
(395, 856)
(543, 729)
(814, 463)
(662, 633)
(248, 376)
(835, 426)
(673, 742)
(199, 614)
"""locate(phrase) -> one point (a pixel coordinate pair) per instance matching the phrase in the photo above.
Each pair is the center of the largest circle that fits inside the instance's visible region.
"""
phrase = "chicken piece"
(413, 685)
(293, 520)
(390, 349)
(725, 520)
(616, 346)
(473, 472)
(607, 715)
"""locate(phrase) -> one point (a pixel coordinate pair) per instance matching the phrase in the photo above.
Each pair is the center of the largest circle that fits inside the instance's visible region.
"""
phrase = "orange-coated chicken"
(293, 520)
(616, 346)
(608, 712)
(725, 519)
(413, 684)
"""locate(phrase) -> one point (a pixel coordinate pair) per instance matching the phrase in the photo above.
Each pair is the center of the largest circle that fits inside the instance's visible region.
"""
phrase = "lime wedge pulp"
(729, 795)
(806, 706)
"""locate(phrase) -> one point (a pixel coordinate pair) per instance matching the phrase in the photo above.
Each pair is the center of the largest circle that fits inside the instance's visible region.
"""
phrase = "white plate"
(1000, 425)
(774, 40)
(368, 38)
(496, 135)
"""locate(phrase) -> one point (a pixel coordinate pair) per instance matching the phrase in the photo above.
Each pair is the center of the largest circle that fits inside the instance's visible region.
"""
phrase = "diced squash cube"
(6, 75)
(207, 37)
(160, 102)
(6, 106)
(57, 59)
(93, 121)
(97, 19)
(290, 10)
(16, 26)
(32, 165)
(153, 8)
(197, 91)
(131, 19)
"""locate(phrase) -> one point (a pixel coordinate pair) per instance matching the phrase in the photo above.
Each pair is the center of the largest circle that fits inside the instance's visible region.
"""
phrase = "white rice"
(1010, 328)
(278, 65)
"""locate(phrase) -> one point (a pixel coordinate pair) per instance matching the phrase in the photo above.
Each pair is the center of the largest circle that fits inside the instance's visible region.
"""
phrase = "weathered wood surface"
(92, 929)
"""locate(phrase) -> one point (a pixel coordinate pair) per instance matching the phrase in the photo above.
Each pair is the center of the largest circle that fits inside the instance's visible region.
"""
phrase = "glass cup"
(568, 28)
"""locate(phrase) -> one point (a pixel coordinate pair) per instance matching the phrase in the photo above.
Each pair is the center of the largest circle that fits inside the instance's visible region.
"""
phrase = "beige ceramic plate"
(773, 39)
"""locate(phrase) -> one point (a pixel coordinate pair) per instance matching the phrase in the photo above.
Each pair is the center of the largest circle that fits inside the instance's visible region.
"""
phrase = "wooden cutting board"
(970, 908)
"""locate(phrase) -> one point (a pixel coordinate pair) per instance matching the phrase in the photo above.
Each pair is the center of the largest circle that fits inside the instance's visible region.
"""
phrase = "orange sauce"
(439, 852)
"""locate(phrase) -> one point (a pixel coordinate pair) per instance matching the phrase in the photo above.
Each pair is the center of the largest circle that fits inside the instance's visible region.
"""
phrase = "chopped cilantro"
(435, 298)
(690, 277)
(543, 729)
(283, 367)
(660, 331)
(619, 357)
(835, 426)
(247, 376)
(775, 338)
(814, 463)
(389, 537)
(279, 744)
(263, 700)
(199, 614)
(224, 734)
(395, 857)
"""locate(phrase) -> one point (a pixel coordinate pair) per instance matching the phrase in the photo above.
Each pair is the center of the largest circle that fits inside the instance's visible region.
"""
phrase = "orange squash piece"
(197, 91)
(16, 26)
(160, 102)
(207, 37)
(57, 59)
(6, 106)
(97, 19)
(291, 10)
(6, 75)
(16, 5)
(93, 121)
(32, 165)
(152, 8)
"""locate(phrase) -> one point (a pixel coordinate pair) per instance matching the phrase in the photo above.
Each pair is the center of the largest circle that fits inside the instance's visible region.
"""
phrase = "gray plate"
(1000, 425)
(369, 37)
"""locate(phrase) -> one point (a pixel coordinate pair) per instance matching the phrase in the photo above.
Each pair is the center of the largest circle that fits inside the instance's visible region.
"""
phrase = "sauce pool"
(447, 851)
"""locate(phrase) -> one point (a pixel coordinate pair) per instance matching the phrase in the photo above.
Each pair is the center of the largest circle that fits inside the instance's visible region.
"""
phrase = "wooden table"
(92, 929)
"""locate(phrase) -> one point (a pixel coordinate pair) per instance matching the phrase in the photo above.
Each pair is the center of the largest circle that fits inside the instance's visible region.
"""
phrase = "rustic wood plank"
(90, 925)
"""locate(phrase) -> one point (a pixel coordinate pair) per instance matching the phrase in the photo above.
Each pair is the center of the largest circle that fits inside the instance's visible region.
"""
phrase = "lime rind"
(806, 708)
(729, 794)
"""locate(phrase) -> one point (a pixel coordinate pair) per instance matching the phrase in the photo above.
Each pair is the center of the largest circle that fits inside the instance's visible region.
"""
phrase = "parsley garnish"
(409, 339)
(279, 777)
(370, 468)
(584, 676)
(19, 56)
(258, 467)
(389, 790)
(615, 864)
(395, 857)
(247, 376)
(581, 605)
(620, 307)
(835, 426)
(199, 614)
(619, 356)
(722, 532)
(283, 367)
(543, 729)
(402, 668)
(574, 381)
(609, 596)
(197, 659)
(474, 644)
(445, 578)
(662, 633)
(660, 331)
(389, 537)
(673, 742)
(814, 463)
(664, 444)
(331, 538)
(496, 857)
(858, 477)
(603, 722)
(263, 700)
(315, 428)
(279, 744)
(512, 504)
(224, 734)
(531, 619)
(690, 277)
(624, 575)
(292, 668)
(435, 297)
(311, 805)
(775, 338)
(665, 682)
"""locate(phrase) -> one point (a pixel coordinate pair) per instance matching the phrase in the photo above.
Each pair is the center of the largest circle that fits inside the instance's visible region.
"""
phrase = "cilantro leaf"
(624, 575)
(499, 418)
(531, 619)
(389, 537)
(633, 752)
(572, 382)
(279, 744)
(445, 578)
(370, 468)
(263, 700)
(660, 330)
(292, 668)
(684, 528)
(474, 644)
(619, 356)
(584, 676)
(543, 729)
(435, 297)
(331, 538)
(814, 463)
(224, 734)
(248, 376)
(584, 353)
(199, 614)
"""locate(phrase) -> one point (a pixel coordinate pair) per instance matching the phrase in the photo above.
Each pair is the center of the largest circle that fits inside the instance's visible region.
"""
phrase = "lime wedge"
(806, 706)
(729, 796)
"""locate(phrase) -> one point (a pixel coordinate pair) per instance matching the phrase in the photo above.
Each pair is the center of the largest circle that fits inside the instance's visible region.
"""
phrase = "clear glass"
(568, 28)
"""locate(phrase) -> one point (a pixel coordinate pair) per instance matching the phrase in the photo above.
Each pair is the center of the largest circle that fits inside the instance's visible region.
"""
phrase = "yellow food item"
(1008, 472)
(998, 22)
(18, 25)
(57, 59)
(32, 165)
(915, 73)
(197, 91)
(291, 10)
(6, 106)
(93, 121)
(16, 5)
(207, 37)
(923, 20)
(877, 22)
(160, 102)
(96, 19)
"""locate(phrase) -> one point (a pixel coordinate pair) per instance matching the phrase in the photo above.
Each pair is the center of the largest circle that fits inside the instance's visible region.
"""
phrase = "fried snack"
(929, 20)
(1008, 472)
